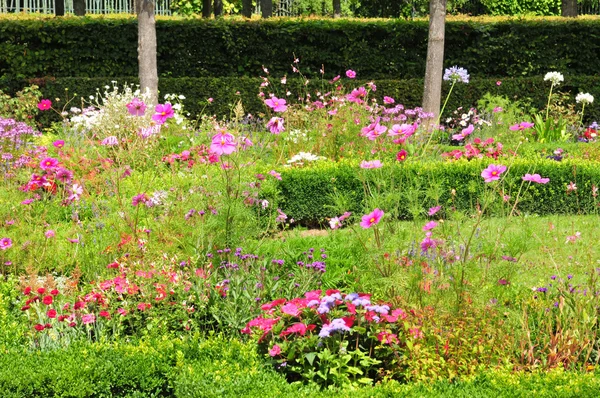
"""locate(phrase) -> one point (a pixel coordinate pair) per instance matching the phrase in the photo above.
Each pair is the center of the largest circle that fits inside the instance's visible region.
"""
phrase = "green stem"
(437, 121)
(582, 110)
(548, 104)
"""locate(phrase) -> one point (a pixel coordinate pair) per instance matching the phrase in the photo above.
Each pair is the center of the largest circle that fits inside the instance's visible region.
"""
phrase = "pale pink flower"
(571, 187)
(573, 238)
(111, 140)
(373, 130)
(388, 100)
(276, 350)
(335, 223)
(493, 172)
(136, 107)
(535, 178)
(371, 164)
(373, 218)
(402, 129)
(275, 174)
(88, 318)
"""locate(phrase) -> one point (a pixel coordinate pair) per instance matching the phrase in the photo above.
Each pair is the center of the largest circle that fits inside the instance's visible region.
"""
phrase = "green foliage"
(35, 47)
(307, 195)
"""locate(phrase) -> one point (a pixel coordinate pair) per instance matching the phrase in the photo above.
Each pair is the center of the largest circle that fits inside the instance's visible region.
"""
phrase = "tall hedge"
(376, 49)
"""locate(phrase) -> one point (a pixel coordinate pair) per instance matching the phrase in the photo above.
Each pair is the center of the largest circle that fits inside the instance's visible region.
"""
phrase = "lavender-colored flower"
(336, 325)
(456, 75)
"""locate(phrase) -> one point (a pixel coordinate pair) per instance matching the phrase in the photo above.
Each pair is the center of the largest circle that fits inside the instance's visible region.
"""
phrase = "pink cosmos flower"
(49, 164)
(373, 130)
(373, 218)
(350, 74)
(388, 100)
(136, 107)
(58, 143)
(76, 192)
(275, 125)
(428, 243)
(147, 132)
(5, 243)
(139, 198)
(402, 129)
(63, 175)
(223, 143)
(277, 104)
(44, 105)
(573, 238)
(276, 350)
(401, 156)
(464, 133)
(335, 223)
(493, 172)
(521, 126)
(275, 174)
(111, 140)
(49, 234)
(429, 226)
(571, 187)
(163, 112)
(434, 210)
(357, 95)
(371, 164)
(535, 178)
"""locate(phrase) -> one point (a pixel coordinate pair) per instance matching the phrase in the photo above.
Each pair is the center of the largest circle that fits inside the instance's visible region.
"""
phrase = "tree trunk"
(79, 7)
(569, 8)
(59, 8)
(247, 8)
(432, 92)
(266, 8)
(206, 8)
(218, 8)
(337, 8)
(148, 70)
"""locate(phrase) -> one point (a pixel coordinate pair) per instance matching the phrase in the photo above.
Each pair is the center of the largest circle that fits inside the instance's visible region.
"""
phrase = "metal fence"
(162, 7)
(281, 8)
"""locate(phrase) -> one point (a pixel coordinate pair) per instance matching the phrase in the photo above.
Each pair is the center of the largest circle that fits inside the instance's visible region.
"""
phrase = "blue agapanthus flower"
(456, 75)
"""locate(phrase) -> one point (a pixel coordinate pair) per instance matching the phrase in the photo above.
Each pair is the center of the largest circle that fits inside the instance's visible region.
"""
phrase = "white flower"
(554, 77)
(584, 98)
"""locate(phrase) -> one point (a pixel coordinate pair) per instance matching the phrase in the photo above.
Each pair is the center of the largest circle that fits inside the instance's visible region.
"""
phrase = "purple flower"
(456, 75)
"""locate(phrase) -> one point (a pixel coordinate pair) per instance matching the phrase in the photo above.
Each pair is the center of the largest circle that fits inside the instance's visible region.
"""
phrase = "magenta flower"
(163, 112)
(58, 143)
(373, 218)
(63, 175)
(223, 143)
(49, 164)
(434, 210)
(401, 156)
(139, 198)
(44, 105)
(88, 318)
(49, 234)
(427, 243)
(493, 172)
(402, 129)
(350, 74)
(136, 107)
(371, 164)
(5, 243)
(277, 104)
(275, 125)
(535, 178)
(464, 133)
(429, 226)
(388, 100)
(521, 126)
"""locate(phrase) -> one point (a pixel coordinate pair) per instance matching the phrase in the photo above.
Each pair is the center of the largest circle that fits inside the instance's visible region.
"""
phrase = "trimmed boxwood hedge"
(308, 194)
(375, 49)
(226, 91)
